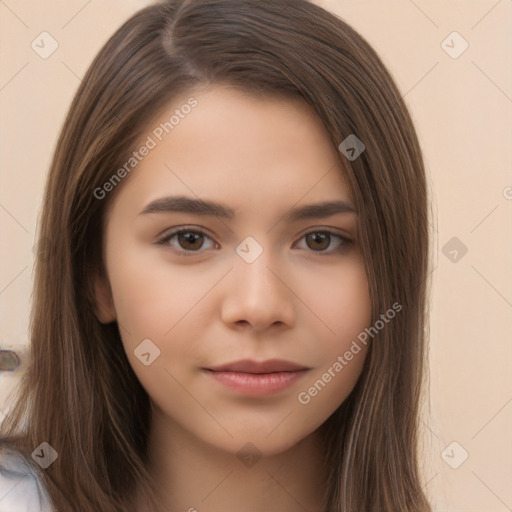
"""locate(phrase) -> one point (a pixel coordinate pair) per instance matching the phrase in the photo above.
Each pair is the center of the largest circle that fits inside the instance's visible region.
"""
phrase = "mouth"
(252, 378)
(259, 367)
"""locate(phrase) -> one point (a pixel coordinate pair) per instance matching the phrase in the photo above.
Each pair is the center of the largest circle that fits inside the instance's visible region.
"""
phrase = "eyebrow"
(184, 204)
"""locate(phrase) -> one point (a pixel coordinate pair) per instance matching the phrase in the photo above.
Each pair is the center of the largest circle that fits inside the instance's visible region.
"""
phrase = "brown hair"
(79, 392)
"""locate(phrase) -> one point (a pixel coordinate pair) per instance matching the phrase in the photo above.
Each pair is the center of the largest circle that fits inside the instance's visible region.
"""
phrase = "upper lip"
(250, 366)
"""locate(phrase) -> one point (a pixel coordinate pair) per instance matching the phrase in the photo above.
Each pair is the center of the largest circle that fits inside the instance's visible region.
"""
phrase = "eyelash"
(344, 245)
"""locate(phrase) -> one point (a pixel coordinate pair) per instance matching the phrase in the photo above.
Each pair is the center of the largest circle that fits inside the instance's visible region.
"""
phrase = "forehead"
(238, 146)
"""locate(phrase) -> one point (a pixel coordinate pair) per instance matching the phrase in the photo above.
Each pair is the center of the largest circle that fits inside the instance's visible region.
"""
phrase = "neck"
(195, 476)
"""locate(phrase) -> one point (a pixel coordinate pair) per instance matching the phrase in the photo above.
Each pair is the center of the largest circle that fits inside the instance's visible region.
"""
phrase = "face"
(257, 277)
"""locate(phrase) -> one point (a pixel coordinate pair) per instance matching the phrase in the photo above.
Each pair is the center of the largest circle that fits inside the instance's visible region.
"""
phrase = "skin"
(261, 157)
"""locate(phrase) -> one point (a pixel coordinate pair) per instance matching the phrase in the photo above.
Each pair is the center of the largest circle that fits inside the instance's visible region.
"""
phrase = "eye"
(185, 240)
(319, 241)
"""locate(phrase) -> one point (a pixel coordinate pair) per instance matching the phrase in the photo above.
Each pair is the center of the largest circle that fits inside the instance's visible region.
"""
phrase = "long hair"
(79, 392)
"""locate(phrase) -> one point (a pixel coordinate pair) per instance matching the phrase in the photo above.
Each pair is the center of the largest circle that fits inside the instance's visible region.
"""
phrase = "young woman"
(231, 308)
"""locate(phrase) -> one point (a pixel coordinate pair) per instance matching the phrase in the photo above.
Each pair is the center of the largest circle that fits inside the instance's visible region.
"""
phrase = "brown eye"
(326, 242)
(190, 240)
(318, 241)
(186, 242)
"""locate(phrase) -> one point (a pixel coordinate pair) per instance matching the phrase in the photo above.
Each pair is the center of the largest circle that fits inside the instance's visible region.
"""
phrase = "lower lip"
(253, 384)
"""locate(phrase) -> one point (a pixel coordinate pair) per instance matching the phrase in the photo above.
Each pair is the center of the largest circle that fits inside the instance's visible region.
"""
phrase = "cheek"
(344, 307)
(166, 305)
(340, 300)
(342, 357)
(152, 311)
(152, 295)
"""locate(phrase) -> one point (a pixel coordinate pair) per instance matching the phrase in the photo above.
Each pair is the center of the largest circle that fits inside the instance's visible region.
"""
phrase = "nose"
(258, 295)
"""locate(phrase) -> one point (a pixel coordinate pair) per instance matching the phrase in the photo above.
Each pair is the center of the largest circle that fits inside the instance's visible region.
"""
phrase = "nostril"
(9, 361)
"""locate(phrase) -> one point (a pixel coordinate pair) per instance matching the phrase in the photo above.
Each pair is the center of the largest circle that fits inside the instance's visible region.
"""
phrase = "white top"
(20, 490)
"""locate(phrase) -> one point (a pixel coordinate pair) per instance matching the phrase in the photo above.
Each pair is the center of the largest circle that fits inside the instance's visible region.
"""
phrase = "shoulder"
(20, 488)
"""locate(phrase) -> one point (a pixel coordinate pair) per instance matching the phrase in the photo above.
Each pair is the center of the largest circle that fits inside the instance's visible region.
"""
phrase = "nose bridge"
(254, 275)
(257, 293)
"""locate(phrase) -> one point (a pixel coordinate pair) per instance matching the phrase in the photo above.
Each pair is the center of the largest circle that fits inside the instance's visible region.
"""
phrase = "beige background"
(463, 111)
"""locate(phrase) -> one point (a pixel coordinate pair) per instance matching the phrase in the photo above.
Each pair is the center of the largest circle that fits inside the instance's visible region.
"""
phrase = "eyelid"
(326, 229)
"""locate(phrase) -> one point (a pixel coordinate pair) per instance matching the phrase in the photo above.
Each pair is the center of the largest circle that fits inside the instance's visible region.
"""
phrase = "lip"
(256, 384)
(253, 378)
(250, 366)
